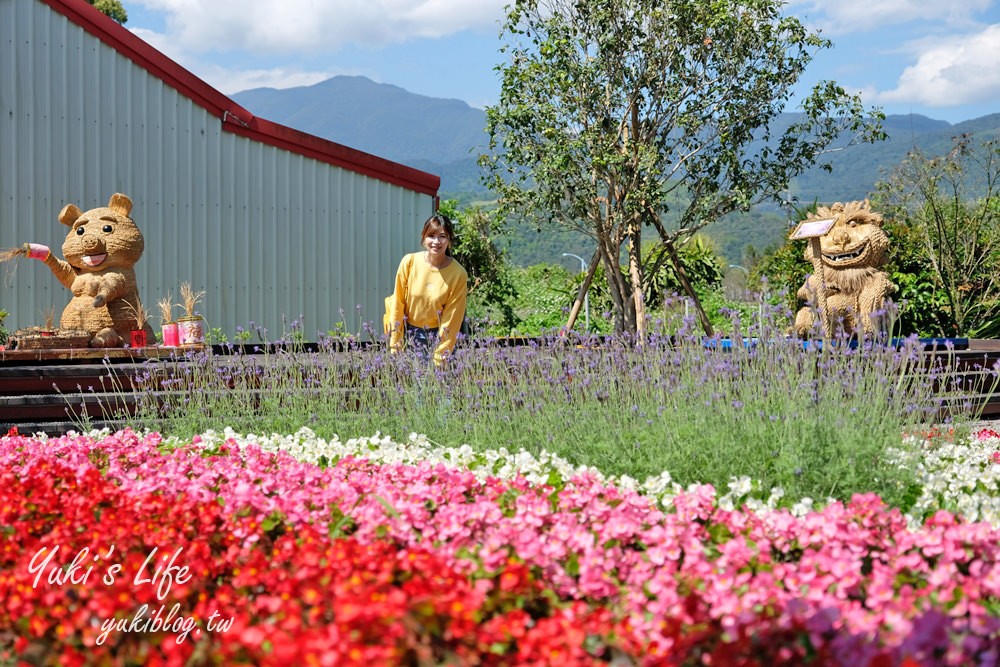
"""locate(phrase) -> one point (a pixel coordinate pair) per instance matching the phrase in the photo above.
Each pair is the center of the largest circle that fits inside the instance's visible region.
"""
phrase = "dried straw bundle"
(50, 318)
(138, 313)
(190, 299)
(12, 253)
(166, 307)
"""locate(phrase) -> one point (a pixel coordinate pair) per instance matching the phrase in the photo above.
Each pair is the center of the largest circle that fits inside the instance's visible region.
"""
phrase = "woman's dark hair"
(439, 221)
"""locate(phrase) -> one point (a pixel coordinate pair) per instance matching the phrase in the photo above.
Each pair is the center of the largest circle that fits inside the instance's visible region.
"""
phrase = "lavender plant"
(816, 420)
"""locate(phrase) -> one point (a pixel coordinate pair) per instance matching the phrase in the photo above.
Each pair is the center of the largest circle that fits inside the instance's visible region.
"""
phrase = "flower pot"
(191, 330)
(171, 335)
(138, 338)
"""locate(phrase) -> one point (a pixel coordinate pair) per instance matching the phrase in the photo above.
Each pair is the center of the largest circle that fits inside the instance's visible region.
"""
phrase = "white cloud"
(960, 70)
(233, 80)
(317, 25)
(842, 16)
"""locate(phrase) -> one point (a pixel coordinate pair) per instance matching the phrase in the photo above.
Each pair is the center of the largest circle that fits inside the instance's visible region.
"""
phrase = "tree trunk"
(615, 285)
(581, 294)
(635, 274)
(675, 259)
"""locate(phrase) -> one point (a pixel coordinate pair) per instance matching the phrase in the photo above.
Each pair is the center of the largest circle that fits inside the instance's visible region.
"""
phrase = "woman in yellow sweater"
(430, 293)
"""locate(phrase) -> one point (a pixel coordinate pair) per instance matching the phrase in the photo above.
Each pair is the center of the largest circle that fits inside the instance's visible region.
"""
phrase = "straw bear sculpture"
(101, 250)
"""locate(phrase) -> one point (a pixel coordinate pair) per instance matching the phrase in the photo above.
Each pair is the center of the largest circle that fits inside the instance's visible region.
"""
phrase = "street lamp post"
(737, 266)
(586, 298)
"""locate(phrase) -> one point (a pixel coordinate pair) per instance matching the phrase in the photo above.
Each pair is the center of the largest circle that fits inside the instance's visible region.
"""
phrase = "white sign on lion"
(810, 229)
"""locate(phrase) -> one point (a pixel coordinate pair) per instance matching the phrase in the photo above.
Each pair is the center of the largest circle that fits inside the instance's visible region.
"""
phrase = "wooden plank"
(97, 354)
(25, 384)
(36, 379)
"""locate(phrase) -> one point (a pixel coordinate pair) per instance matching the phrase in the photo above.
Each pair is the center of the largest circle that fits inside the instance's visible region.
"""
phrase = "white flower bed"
(546, 469)
(962, 478)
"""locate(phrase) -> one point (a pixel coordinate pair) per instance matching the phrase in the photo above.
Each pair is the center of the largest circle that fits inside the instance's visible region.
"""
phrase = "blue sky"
(939, 58)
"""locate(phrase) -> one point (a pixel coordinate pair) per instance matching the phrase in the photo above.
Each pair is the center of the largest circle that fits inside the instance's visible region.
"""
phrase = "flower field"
(135, 549)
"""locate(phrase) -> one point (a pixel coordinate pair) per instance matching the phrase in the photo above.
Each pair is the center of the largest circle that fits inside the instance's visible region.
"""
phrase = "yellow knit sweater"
(429, 297)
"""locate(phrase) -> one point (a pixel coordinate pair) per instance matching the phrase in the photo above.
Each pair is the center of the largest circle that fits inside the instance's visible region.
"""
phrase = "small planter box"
(37, 338)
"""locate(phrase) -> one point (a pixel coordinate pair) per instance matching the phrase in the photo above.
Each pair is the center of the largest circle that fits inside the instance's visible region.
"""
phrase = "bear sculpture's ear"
(69, 214)
(120, 204)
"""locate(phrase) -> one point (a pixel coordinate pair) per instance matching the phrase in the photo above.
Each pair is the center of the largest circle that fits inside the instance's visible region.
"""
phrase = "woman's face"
(437, 241)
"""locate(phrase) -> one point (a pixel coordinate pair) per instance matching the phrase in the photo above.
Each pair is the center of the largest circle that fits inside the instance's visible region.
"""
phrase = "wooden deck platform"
(90, 354)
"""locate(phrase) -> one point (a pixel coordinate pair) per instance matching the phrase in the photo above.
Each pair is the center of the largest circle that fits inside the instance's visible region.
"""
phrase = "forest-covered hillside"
(445, 137)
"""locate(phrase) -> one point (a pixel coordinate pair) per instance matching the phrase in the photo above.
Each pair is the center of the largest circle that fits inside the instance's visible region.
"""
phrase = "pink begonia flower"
(854, 569)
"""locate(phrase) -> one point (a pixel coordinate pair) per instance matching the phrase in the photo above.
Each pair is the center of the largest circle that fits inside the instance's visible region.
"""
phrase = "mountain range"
(446, 136)
(440, 136)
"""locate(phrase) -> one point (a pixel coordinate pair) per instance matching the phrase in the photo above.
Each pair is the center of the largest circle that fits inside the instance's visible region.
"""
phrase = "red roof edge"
(235, 118)
(336, 154)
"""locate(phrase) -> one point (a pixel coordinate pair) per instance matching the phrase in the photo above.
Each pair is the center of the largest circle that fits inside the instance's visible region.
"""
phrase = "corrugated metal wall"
(272, 236)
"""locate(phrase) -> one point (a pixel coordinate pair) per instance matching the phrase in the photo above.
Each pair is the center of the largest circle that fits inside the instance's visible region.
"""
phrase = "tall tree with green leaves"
(953, 201)
(111, 8)
(613, 111)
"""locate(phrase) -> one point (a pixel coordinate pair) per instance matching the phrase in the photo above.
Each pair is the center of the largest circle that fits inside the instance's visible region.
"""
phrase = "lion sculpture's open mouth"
(847, 257)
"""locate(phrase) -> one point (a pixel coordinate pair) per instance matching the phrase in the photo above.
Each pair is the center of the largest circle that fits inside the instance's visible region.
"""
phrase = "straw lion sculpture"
(101, 250)
(852, 254)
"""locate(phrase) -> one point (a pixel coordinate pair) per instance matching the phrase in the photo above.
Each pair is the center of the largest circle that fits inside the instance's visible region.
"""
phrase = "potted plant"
(49, 336)
(168, 327)
(49, 328)
(138, 336)
(191, 327)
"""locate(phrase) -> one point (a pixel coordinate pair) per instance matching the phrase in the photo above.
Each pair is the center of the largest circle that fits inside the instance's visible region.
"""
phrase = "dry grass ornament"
(166, 307)
(138, 313)
(8, 255)
(50, 319)
(190, 300)
(12, 253)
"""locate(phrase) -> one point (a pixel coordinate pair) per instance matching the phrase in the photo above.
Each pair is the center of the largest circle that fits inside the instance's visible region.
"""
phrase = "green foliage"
(701, 264)
(723, 312)
(923, 307)
(759, 228)
(491, 288)
(526, 246)
(546, 292)
(952, 204)
(535, 300)
(611, 113)
(780, 273)
(4, 334)
(216, 336)
(112, 9)
(545, 295)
